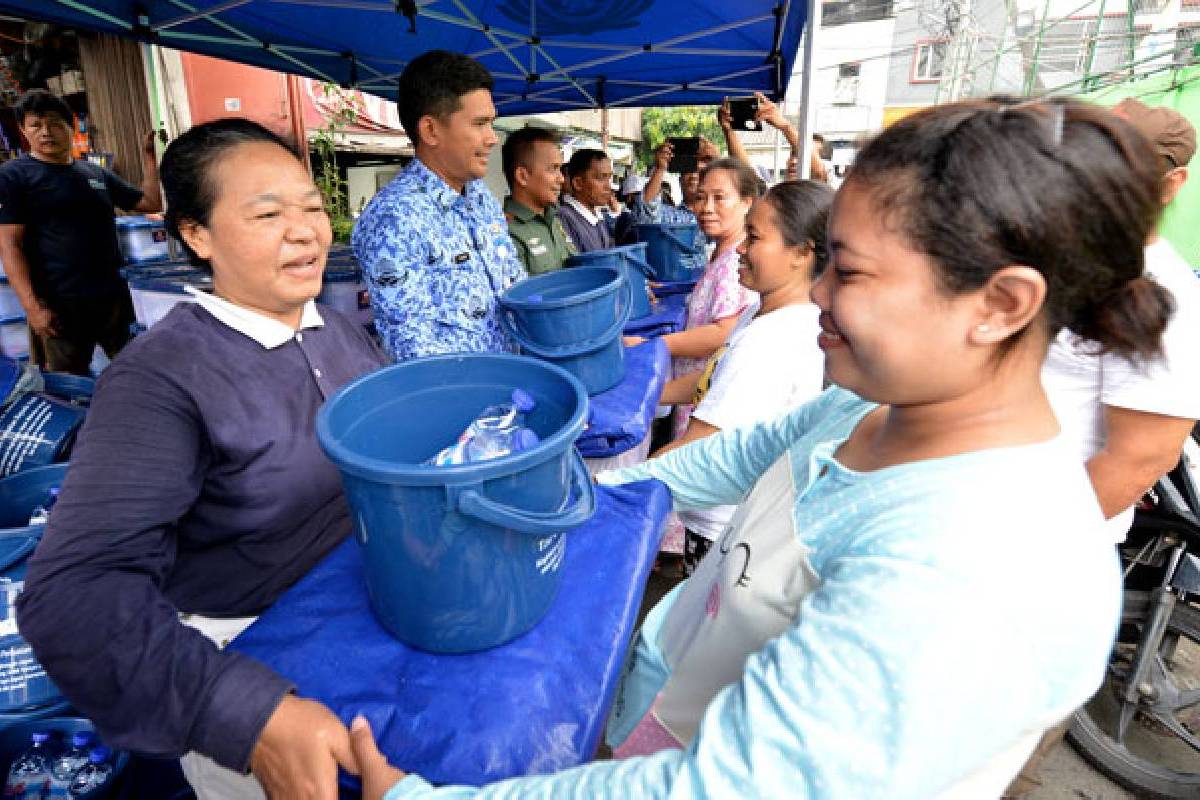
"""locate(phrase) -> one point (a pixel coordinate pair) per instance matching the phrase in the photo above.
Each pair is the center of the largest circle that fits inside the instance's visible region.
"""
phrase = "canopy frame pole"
(807, 110)
(198, 15)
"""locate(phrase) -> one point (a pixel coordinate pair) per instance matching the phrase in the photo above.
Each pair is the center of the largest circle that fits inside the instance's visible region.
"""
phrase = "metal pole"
(1000, 47)
(1091, 58)
(1130, 8)
(1037, 51)
(807, 111)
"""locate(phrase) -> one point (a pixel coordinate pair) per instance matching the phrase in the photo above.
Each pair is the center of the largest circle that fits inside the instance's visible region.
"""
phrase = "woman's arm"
(93, 607)
(701, 341)
(697, 429)
(681, 390)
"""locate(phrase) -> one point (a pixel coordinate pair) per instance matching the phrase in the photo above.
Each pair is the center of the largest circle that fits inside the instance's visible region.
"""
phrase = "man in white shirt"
(1130, 419)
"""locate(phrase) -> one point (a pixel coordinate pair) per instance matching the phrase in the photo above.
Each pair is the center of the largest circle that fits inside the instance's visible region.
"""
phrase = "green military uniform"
(541, 242)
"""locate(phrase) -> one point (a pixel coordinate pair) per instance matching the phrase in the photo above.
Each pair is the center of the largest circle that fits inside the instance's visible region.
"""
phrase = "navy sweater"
(197, 485)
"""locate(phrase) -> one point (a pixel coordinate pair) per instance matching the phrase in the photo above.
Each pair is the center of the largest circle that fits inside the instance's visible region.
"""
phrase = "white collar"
(589, 214)
(270, 333)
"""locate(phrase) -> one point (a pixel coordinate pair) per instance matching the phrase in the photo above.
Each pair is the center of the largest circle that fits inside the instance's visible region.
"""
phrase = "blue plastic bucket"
(36, 430)
(572, 318)
(461, 558)
(630, 258)
(672, 250)
(15, 738)
(24, 686)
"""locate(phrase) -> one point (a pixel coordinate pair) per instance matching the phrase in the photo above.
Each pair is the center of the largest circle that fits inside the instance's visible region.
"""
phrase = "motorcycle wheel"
(1153, 760)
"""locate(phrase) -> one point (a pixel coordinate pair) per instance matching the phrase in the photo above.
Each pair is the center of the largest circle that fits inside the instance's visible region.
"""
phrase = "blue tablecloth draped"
(620, 418)
(669, 315)
(535, 705)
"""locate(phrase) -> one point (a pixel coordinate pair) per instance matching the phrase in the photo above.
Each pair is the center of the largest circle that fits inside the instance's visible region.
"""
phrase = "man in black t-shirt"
(58, 239)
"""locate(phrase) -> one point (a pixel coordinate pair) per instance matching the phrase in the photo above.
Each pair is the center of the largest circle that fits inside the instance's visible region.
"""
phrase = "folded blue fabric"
(668, 315)
(667, 288)
(535, 705)
(620, 418)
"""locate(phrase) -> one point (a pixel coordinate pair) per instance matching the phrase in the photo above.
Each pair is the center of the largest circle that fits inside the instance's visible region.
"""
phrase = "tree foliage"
(660, 123)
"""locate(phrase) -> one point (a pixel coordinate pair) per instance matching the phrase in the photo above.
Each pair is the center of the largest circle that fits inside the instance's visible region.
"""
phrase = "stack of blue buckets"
(29, 700)
(466, 557)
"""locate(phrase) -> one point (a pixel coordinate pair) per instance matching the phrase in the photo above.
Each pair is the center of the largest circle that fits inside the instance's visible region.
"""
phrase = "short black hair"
(40, 103)
(187, 169)
(582, 160)
(518, 146)
(433, 84)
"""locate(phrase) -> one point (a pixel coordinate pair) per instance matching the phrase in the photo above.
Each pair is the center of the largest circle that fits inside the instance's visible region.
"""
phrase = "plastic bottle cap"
(523, 401)
(99, 755)
(525, 439)
(81, 738)
(41, 737)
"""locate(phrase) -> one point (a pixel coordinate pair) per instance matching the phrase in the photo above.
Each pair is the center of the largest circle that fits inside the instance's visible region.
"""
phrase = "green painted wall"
(1179, 90)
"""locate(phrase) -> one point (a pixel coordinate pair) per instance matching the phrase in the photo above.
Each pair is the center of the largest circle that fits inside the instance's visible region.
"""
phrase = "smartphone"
(742, 111)
(685, 154)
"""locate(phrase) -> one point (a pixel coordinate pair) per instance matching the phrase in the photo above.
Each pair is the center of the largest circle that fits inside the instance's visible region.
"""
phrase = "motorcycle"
(1142, 728)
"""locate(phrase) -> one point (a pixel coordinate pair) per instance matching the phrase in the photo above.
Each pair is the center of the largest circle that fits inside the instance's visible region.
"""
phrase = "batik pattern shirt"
(436, 261)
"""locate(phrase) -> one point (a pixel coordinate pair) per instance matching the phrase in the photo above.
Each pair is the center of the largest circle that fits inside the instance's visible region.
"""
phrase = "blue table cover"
(535, 705)
(620, 418)
(666, 288)
(668, 315)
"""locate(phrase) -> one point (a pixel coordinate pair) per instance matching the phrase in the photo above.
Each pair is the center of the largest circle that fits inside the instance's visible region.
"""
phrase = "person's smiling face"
(268, 235)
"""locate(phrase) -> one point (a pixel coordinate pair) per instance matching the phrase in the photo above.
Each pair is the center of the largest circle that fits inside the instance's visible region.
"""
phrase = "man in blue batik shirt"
(433, 243)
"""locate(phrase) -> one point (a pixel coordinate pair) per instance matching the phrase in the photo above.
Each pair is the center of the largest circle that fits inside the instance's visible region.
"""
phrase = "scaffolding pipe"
(1091, 57)
(1037, 51)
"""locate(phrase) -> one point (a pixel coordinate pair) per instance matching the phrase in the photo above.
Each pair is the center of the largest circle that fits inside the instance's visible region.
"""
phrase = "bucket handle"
(472, 503)
(578, 348)
(682, 244)
(641, 263)
(19, 553)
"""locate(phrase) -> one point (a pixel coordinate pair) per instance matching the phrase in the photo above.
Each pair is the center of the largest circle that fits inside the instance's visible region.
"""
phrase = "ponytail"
(1130, 320)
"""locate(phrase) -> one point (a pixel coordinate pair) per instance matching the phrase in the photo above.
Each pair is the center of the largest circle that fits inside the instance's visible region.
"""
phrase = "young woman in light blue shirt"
(913, 588)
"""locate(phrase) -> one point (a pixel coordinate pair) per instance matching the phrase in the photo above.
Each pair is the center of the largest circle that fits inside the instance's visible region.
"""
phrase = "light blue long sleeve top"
(965, 603)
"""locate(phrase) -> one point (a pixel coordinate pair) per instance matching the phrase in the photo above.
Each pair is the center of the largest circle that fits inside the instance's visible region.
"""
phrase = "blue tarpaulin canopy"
(546, 55)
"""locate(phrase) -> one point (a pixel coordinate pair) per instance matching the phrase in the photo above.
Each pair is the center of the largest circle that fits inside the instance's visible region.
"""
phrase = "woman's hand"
(769, 113)
(299, 750)
(632, 341)
(377, 774)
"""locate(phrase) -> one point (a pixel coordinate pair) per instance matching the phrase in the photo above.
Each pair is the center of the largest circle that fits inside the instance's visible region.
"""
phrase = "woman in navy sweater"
(197, 493)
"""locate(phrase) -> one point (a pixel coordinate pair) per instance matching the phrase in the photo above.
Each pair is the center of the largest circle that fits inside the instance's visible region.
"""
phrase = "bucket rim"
(379, 470)
(617, 273)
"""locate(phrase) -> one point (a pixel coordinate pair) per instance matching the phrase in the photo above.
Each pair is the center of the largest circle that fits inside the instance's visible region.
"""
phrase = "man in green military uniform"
(533, 167)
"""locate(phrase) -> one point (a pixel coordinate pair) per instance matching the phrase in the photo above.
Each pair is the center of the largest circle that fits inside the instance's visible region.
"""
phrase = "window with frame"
(929, 61)
(1069, 43)
(843, 12)
(1187, 44)
(845, 88)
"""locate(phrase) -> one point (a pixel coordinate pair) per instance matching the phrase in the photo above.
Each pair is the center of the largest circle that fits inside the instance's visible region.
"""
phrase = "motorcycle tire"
(1134, 771)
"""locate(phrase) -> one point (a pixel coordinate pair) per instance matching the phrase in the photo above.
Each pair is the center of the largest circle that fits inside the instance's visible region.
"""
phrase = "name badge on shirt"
(538, 249)
(97, 184)
(462, 258)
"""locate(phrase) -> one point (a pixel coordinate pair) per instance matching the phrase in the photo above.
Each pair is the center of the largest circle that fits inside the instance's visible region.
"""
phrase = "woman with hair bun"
(886, 615)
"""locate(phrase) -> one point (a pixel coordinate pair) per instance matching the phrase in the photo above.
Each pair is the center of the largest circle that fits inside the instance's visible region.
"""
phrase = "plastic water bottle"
(41, 512)
(497, 431)
(29, 775)
(69, 762)
(93, 774)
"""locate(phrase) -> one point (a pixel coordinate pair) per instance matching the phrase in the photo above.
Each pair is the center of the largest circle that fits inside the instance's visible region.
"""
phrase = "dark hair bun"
(1130, 320)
